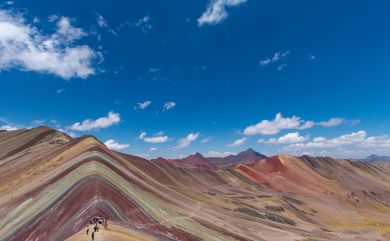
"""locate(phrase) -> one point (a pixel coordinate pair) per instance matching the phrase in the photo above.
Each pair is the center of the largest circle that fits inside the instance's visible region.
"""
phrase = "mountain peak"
(250, 153)
(250, 149)
(373, 158)
(245, 157)
(198, 154)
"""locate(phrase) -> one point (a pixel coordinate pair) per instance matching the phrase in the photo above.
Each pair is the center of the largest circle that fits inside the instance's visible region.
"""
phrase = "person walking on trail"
(93, 236)
(87, 230)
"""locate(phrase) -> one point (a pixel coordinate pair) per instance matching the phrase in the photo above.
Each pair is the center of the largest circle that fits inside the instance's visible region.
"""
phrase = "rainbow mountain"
(51, 185)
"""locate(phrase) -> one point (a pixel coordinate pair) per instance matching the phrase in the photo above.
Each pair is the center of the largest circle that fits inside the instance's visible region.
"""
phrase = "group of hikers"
(94, 223)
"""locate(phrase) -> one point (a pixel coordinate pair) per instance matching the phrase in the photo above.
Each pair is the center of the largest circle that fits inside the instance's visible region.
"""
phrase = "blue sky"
(174, 77)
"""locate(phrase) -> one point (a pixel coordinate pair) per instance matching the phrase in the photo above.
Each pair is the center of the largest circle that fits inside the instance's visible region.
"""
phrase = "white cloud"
(154, 70)
(38, 122)
(144, 24)
(306, 125)
(70, 133)
(205, 140)
(103, 122)
(169, 105)
(143, 105)
(154, 139)
(276, 58)
(112, 144)
(322, 142)
(290, 138)
(25, 47)
(142, 135)
(186, 141)
(353, 145)
(376, 142)
(102, 22)
(281, 67)
(219, 154)
(8, 128)
(9, 3)
(270, 127)
(331, 122)
(66, 33)
(238, 142)
(52, 18)
(153, 149)
(216, 11)
(60, 91)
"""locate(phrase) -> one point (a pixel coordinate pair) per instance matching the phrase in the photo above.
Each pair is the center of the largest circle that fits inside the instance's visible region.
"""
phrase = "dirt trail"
(112, 233)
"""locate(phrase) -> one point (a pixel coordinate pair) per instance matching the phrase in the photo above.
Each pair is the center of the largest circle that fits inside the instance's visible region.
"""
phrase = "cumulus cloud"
(25, 47)
(331, 122)
(186, 141)
(306, 125)
(238, 142)
(219, 154)
(169, 105)
(376, 142)
(103, 122)
(216, 11)
(272, 127)
(159, 138)
(289, 138)
(356, 144)
(143, 105)
(353, 138)
(112, 144)
(8, 128)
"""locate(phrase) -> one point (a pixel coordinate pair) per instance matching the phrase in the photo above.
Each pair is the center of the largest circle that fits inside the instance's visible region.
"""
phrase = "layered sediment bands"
(50, 188)
(89, 197)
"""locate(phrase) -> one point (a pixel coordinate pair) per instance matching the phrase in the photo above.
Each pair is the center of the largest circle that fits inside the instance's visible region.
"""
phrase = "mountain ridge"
(55, 187)
(373, 158)
(245, 157)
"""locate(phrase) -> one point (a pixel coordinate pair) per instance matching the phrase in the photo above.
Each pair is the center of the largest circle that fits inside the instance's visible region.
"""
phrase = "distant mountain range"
(198, 161)
(374, 158)
(246, 157)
